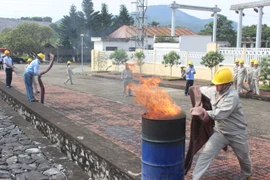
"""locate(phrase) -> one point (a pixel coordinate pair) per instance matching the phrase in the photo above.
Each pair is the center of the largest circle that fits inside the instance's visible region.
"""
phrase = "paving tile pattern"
(121, 123)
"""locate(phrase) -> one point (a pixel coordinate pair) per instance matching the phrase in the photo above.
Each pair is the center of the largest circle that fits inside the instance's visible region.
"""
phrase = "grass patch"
(114, 73)
(168, 78)
(265, 88)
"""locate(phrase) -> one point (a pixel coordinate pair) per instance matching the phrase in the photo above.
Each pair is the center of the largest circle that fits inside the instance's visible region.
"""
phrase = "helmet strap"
(224, 88)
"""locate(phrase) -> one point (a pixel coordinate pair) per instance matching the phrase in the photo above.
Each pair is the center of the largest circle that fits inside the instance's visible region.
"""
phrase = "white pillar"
(259, 28)
(239, 29)
(173, 22)
(215, 28)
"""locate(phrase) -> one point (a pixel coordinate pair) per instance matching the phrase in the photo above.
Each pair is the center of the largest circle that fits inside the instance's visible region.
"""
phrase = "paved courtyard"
(98, 104)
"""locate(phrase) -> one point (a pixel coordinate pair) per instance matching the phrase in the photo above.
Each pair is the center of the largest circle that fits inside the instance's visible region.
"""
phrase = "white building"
(123, 38)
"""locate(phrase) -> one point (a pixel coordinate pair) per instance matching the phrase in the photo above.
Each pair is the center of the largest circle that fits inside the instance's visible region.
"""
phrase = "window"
(111, 48)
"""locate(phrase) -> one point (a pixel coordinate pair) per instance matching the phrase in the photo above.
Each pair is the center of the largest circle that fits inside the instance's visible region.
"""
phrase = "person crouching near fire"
(29, 60)
(127, 77)
(230, 126)
(31, 71)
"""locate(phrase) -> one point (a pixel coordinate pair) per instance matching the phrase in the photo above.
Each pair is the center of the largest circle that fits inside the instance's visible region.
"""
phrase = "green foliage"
(119, 57)
(165, 39)
(153, 24)
(171, 59)
(249, 32)
(40, 19)
(106, 21)
(225, 31)
(212, 59)
(265, 71)
(71, 28)
(28, 38)
(124, 18)
(139, 55)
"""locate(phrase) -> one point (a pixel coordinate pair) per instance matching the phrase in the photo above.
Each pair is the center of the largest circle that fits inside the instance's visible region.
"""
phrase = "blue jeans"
(28, 80)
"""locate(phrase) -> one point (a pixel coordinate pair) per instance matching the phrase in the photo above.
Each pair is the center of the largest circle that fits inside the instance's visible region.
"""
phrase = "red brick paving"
(121, 123)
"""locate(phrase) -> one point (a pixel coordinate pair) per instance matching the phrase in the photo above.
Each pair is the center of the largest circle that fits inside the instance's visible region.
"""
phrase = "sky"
(56, 9)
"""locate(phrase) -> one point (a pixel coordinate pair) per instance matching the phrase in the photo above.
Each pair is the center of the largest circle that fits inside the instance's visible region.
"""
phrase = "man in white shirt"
(31, 71)
(8, 65)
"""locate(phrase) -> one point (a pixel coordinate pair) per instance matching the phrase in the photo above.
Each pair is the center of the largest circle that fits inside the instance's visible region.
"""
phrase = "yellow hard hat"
(236, 61)
(256, 62)
(68, 62)
(41, 56)
(223, 76)
(252, 60)
(190, 63)
(29, 60)
(6, 52)
(242, 61)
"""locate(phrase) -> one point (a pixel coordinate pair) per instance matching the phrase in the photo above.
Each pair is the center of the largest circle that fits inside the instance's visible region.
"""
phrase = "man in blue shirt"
(190, 71)
(30, 71)
(8, 64)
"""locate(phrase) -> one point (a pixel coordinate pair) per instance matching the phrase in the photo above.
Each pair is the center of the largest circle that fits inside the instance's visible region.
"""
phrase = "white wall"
(194, 43)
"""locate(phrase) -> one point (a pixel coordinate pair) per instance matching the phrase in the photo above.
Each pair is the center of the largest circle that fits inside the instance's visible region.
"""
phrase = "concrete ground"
(99, 105)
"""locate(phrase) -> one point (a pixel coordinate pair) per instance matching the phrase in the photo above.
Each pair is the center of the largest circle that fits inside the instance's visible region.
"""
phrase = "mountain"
(13, 23)
(163, 14)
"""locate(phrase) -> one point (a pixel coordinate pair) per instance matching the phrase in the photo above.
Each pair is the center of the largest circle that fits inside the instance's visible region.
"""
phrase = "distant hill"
(162, 14)
(13, 23)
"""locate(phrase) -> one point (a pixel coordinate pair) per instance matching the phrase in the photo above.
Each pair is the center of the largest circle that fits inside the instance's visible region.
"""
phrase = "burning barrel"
(163, 147)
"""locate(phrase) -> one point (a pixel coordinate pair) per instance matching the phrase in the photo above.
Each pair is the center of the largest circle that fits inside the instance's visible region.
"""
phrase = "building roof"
(130, 31)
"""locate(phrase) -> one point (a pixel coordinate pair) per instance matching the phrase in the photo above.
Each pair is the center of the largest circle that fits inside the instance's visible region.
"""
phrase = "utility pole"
(82, 35)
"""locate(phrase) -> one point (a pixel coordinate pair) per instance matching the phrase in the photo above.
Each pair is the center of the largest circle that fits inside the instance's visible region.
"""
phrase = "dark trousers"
(1, 65)
(189, 83)
(8, 76)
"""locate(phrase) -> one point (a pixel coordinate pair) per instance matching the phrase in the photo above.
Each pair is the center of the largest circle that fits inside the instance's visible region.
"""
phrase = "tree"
(171, 59)
(249, 32)
(225, 31)
(212, 59)
(71, 28)
(119, 57)
(265, 71)
(28, 38)
(106, 21)
(154, 24)
(92, 19)
(124, 18)
(139, 55)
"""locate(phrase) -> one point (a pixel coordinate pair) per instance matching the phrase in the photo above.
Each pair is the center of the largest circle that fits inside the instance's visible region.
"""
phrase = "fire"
(157, 102)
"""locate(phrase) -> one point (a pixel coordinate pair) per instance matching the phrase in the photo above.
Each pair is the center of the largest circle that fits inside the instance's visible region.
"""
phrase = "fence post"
(187, 58)
(154, 60)
(244, 54)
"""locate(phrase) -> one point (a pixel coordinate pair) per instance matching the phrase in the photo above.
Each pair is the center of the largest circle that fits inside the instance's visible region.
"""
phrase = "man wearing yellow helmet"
(230, 126)
(29, 60)
(241, 76)
(31, 71)
(249, 75)
(256, 78)
(9, 68)
(190, 71)
(235, 72)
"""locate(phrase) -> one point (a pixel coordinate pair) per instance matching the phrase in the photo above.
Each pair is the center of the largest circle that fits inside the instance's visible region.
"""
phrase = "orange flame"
(157, 102)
